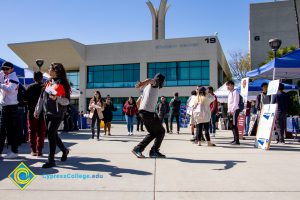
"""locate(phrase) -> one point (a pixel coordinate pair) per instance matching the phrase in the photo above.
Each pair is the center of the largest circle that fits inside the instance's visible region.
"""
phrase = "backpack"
(21, 92)
(241, 104)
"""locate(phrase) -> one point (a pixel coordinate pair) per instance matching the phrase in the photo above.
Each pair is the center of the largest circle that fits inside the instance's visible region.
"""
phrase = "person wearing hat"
(202, 114)
(151, 120)
(9, 84)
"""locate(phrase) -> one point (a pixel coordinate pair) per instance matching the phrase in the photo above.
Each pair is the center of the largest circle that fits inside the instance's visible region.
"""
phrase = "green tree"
(281, 52)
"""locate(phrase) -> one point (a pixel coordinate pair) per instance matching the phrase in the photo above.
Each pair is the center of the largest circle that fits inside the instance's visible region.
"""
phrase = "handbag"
(189, 110)
(91, 115)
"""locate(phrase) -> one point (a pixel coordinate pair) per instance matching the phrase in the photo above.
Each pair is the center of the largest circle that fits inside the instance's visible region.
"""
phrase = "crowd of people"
(48, 104)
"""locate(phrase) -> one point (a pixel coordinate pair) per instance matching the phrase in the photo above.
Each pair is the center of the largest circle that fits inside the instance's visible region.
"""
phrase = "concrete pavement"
(189, 172)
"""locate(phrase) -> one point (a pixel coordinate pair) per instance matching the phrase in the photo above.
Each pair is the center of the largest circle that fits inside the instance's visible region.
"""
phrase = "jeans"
(199, 129)
(129, 120)
(155, 129)
(166, 120)
(247, 125)
(212, 123)
(94, 119)
(53, 138)
(176, 116)
(8, 128)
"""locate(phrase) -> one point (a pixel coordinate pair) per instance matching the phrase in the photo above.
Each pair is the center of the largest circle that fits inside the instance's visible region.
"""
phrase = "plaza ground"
(189, 172)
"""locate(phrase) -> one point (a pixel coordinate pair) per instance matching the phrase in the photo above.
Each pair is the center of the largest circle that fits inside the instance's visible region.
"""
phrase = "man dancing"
(150, 118)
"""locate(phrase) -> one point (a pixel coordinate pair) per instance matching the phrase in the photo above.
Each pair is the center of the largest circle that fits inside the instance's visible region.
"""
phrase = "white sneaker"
(213, 135)
(11, 155)
(129, 133)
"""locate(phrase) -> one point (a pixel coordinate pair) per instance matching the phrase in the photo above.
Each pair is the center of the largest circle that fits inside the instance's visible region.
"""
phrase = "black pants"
(234, 125)
(155, 129)
(53, 138)
(139, 123)
(279, 123)
(94, 120)
(199, 131)
(8, 128)
(166, 120)
(176, 116)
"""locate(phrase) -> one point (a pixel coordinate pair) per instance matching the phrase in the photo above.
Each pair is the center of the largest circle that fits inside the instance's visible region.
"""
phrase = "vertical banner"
(273, 87)
(241, 125)
(266, 126)
(244, 88)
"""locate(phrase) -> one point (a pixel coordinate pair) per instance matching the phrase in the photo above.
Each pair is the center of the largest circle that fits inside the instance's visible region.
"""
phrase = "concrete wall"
(271, 20)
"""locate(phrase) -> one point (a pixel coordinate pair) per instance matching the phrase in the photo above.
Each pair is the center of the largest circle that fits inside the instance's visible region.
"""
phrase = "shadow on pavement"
(228, 164)
(94, 164)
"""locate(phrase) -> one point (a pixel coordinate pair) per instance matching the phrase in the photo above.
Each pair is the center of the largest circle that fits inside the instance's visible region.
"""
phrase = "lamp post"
(275, 45)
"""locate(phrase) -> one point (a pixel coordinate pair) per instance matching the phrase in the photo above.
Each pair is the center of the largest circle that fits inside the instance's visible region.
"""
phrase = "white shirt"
(233, 101)
(149, 98)
(8, 90)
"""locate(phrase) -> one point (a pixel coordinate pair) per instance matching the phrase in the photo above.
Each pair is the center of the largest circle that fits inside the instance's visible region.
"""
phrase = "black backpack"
(241, 104)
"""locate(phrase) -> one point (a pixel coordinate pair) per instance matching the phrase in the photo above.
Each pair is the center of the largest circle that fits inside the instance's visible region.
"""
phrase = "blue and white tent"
(286, 67)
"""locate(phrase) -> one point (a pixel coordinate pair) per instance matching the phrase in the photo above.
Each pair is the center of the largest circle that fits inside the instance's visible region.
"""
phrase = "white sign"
(273, 87)
(266, 126)
(244, 88)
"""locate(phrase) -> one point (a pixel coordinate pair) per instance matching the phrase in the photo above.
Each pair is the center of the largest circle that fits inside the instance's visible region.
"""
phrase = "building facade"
(114, 69)
(271, 20)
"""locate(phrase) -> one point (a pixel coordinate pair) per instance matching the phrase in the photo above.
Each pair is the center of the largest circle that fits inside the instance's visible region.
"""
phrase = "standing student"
(202, 114)
(283, 101)
(139, 123)
(214, 110)
(9, 83)
(190, 104)
(37, 127)
(150, 118)
(130, 110)
(262, 98)
(248, 116)
(53, 102)
(108, 115)
(163, 110)
(233, 111)
(175, 113)
(96, 108)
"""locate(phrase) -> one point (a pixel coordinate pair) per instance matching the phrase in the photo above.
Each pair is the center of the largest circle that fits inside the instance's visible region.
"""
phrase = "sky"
(110, 21)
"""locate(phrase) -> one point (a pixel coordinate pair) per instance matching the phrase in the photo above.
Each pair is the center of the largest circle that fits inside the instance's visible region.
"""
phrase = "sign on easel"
(273, 87)
(266, 126)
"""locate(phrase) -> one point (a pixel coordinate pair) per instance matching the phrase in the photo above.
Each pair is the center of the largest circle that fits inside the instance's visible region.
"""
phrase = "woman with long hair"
(130, 110)
(53, 103)
(96, 108)
(202, 114)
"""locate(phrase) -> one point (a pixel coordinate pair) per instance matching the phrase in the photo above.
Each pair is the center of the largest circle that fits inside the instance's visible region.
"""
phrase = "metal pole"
(274, 73)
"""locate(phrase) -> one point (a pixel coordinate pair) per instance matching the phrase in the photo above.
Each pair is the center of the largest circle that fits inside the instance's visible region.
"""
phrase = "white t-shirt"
(149, 98)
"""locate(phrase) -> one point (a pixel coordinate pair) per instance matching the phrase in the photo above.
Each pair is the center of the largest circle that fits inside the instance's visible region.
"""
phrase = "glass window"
(183, 73)
(113, 76)
(73, 77)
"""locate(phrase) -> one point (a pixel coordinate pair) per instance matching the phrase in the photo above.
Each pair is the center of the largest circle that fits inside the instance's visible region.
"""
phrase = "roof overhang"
(66, 51)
